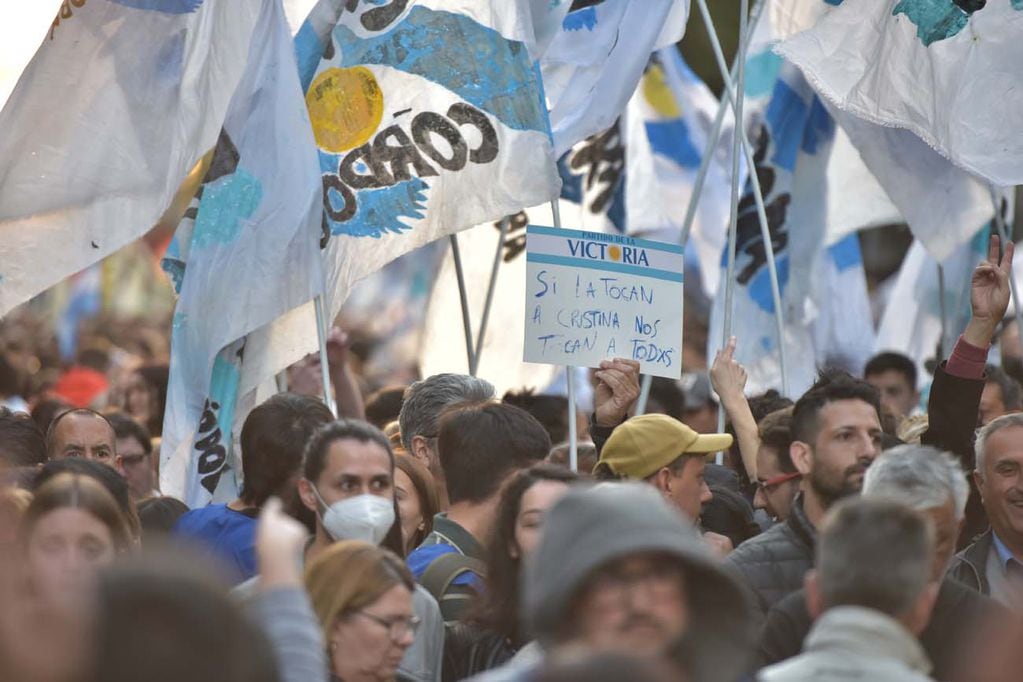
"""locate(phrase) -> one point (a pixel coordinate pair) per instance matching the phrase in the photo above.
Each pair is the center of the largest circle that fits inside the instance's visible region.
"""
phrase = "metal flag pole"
(758, 196)
(1003, 233)
(482, 333)
(941, 309)
(719, 120)
(573, 448)
(733, 219)
(321, 335)
(701, 178)
(470, 353)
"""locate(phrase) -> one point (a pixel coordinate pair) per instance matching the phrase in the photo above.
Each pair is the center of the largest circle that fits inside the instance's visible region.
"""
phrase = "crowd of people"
(436, 532)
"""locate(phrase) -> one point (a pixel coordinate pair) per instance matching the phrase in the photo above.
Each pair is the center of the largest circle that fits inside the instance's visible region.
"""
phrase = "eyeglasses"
(396, 627)
(772, 483)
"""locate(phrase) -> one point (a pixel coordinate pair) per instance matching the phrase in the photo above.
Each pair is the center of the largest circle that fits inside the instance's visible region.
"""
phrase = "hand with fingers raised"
(616, 392)
(989, 293)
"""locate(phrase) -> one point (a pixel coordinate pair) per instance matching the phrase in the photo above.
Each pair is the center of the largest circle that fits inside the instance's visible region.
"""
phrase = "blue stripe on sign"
(624, 240)
(605, 266)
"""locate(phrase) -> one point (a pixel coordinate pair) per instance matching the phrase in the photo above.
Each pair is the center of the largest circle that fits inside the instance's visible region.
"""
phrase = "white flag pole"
(321, 335)
(733, 220)
(463, 297)
(573, 448)
(481, 334)
(758, 196)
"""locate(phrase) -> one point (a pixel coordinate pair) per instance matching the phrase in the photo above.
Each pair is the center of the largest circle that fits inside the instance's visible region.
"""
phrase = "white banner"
(119, 102)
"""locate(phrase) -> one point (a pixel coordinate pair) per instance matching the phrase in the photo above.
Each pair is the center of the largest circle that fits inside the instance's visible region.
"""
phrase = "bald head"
(81, 433)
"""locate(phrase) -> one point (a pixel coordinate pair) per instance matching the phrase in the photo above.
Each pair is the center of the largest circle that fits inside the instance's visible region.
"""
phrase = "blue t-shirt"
(227, 535)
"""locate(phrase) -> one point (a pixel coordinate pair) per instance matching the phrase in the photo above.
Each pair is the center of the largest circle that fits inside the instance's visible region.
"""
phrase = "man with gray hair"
(871, 594)
(932, 483)
(421, 408)
(993, 563)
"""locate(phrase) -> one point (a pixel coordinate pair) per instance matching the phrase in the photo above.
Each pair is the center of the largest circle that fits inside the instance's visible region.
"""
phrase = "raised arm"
(728, 378)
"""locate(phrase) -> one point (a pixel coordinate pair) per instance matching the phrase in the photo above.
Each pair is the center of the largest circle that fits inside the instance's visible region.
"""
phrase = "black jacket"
(957, 615)
(969, 567)
(470, 649)
(952, 425)
(773, 563)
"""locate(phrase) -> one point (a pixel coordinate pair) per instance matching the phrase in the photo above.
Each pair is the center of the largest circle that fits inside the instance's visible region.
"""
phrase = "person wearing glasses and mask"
(362, 597)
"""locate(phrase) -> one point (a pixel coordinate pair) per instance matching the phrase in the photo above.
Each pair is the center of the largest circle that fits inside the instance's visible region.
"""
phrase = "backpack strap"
(443, 571)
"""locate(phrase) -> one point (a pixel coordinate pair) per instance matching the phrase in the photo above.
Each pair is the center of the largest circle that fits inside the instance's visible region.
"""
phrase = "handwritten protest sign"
(592, 296)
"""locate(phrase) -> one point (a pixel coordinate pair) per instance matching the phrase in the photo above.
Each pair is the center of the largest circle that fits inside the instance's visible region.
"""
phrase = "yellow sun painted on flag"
(658, 94)
(614, 253)
(345, 107)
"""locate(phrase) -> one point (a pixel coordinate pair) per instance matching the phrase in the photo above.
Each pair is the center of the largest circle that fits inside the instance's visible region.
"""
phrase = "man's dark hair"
(832, 386)
(156, 377)
(1012, 393)
(21, 442)
(883, 362)
(158, 516)
(776, 433)
(10, 384)
(78, 411)
(729, 513)
(767, 402)
(126, 427)
(669, 395)
(273, 438)
(314, 461)
(384, 406)
(115, 484)
(479, 445)
(550, 410)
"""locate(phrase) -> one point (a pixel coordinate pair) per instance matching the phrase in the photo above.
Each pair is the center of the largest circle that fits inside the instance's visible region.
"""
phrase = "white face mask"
(364, 517)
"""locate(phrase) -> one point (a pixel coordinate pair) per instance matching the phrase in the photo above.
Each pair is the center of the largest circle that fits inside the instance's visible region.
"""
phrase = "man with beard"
(836, 434)
(836, 430)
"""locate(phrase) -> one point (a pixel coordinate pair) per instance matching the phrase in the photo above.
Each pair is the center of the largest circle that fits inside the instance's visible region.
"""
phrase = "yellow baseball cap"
(639, 447)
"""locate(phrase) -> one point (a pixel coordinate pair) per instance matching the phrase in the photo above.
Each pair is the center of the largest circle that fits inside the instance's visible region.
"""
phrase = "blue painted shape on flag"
(382, 209)
(671, 138)
(225, 203)
(308, 53)
(820, 127)
(438, 46)
(165, 6)
(762, 73)
(935, 19)
(616, 211)
(581, 19)
(846, 253)
(786, 117)
(760, 284)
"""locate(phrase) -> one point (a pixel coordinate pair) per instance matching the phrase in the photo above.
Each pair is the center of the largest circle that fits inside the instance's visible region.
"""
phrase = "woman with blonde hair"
(362, 596)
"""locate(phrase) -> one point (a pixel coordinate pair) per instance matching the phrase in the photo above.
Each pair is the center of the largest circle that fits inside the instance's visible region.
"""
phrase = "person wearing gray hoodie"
(619, 571)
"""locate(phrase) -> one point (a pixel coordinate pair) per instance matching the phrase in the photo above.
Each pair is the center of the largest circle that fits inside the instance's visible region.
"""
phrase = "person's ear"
(421, 449)
(920, 612)
(802, 456)
(978, 480)
(306, 494)
(814, 599)
(662, 480)
(513, 550)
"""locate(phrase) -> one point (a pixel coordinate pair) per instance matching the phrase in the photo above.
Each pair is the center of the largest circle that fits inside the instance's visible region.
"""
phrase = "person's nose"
(760, 499)
(705, 494)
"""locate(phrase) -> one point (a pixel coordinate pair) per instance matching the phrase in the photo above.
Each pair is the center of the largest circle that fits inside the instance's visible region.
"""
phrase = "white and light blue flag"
(594, 63)
(930, 95)
(429, 118)
(246, 253)
(119, 102)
